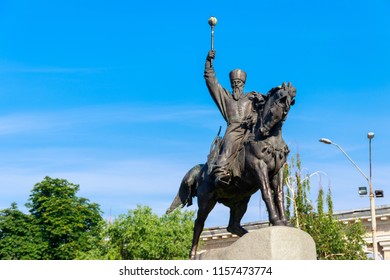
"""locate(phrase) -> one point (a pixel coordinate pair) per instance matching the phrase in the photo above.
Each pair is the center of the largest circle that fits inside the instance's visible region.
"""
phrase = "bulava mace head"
(213, 21)
(237, 74)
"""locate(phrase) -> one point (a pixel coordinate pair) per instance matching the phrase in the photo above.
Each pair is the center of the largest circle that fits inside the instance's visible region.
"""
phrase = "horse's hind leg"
(206, 203)
(237, 211)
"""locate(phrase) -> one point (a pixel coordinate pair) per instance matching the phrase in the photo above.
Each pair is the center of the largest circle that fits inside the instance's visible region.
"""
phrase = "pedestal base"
(272, 243)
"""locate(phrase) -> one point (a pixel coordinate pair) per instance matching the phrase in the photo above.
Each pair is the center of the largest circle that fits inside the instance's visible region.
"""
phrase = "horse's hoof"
(278, 223)
(192, 255)
(240, 231)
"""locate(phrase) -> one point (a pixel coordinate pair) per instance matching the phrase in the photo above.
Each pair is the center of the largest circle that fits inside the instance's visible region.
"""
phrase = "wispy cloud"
(50, 70)
(108, 182)
(69, 118)
(107, 175)
(104, 174)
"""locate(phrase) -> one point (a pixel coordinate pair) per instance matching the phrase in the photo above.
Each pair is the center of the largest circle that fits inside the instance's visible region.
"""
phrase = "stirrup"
(223, 180)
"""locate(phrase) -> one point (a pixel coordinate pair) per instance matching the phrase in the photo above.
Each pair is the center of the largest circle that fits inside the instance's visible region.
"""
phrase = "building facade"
(219, 237)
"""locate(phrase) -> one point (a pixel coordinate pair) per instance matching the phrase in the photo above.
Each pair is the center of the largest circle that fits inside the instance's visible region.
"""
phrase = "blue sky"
(110, 95)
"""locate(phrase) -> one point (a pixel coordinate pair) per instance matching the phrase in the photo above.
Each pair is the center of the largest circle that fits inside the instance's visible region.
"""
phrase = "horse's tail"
(187, 189)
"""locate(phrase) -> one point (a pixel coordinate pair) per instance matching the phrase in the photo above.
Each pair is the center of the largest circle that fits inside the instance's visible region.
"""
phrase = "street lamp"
(370, 136)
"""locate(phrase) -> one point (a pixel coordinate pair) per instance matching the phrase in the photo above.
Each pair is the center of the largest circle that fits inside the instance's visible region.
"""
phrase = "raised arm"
(217, 92)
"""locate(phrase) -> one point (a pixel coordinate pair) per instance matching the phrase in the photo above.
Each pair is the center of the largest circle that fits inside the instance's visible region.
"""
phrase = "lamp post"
(370, 136)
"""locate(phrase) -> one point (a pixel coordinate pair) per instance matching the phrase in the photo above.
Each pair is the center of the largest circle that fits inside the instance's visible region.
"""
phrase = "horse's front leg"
(277, 186)
(262, 179)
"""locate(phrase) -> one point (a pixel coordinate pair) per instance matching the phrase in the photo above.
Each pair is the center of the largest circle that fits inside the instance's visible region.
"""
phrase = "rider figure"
(238, 111)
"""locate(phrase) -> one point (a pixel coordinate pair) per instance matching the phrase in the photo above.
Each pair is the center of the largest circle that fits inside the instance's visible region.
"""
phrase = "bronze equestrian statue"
(257, 165)
(249, 158)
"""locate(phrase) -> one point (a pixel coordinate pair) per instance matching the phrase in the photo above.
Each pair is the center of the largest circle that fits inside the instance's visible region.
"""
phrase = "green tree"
(142, 235)
(68, 224)
(98, 245)
(20, 239)
(334, 239)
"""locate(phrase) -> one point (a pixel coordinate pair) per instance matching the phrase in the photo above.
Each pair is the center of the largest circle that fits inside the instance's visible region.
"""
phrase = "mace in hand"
(213, 22)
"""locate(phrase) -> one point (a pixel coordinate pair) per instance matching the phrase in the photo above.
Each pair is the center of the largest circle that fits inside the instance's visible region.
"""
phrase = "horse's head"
(277, 105)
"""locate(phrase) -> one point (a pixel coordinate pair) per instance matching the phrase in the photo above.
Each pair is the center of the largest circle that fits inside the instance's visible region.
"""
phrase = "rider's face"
(237, 83)
(238, 88)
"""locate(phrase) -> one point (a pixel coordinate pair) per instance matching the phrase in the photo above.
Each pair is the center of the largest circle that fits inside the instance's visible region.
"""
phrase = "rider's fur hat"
(237, 74)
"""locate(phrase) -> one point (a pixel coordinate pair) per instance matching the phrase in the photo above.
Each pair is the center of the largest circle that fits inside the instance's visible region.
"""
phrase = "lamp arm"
(365, 176)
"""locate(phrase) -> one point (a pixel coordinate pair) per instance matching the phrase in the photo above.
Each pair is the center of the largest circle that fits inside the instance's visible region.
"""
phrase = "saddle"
(236, 166)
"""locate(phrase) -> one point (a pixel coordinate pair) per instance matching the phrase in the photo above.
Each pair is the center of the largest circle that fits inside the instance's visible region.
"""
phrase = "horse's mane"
(274, 95)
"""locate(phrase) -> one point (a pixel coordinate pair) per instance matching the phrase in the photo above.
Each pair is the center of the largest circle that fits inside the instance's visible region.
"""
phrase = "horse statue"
(260, 163)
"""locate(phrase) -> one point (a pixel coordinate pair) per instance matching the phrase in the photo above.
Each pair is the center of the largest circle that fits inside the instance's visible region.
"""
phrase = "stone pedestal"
(386, 249)
(271, 243)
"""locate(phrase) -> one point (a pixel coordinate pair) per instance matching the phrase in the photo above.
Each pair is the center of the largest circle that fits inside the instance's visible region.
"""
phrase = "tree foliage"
(60, 226)
(20, 239)
(67, 222)
(334, 239)
(142, 235)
